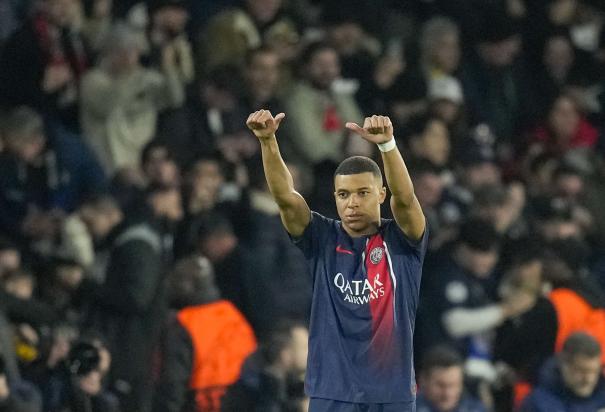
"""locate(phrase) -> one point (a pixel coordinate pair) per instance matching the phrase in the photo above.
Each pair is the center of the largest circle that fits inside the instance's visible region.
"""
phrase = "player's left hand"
(376, 129)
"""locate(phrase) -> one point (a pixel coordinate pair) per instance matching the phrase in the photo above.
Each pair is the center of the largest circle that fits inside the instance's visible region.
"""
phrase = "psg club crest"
(376, 255)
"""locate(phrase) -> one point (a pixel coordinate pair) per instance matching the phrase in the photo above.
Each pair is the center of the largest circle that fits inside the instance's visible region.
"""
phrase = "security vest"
(575, 314)
(222, 339)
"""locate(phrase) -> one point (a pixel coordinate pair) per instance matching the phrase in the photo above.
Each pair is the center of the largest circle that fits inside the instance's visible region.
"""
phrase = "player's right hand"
(263, 124)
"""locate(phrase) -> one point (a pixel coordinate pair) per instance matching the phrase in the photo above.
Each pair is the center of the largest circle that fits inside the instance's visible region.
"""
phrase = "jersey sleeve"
(403, 243)
(314, 235)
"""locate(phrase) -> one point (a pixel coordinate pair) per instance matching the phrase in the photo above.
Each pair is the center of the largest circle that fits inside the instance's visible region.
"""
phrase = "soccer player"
(366, 273)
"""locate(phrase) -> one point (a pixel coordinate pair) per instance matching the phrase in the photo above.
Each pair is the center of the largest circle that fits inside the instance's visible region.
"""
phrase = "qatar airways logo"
(359, 292)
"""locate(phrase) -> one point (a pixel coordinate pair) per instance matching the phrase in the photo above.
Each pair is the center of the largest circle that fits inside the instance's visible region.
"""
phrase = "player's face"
(443, 387)
(358, 200)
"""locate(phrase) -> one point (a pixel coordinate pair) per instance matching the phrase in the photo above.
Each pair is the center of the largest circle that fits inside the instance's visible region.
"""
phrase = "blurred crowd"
(143, 265)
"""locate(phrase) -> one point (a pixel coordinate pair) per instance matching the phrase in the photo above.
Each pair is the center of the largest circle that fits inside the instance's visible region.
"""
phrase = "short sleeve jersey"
(365, 295)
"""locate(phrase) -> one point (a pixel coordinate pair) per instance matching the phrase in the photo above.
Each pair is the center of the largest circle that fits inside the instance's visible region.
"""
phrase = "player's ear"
(382, 194)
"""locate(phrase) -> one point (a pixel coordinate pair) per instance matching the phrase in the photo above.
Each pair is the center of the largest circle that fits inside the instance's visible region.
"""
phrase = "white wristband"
(388, 146)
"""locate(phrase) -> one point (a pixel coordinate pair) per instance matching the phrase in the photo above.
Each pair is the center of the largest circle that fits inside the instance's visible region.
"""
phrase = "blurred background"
(143, 265)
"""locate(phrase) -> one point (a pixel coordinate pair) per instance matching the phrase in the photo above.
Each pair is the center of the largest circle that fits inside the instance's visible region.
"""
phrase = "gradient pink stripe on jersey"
(381, 307)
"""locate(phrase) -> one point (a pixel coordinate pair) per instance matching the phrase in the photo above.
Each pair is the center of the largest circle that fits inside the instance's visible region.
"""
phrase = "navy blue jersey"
(365, 295)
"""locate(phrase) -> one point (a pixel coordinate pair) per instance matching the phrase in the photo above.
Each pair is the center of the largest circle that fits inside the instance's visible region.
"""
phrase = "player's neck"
(370, 230)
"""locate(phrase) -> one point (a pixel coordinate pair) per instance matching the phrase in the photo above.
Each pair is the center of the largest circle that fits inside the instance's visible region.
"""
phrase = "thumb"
(354, 127)
(279, 118)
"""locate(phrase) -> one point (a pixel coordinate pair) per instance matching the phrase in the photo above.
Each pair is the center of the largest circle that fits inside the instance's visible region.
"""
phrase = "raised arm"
(294, 211)
(404, 204)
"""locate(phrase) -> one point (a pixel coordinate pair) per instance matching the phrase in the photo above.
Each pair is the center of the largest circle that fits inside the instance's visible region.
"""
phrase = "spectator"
(442, 214)
(263, 76)
(164, 204)
(494, 79)
(19, 284)
(97, 22)
(430, 140)
(130, 302)
(43, 62)
(275, 284)
(442, 384)
(167, 31)
(80, 383)
(554, 219)
(439, 48)
(272, 377)
(577, 301)
(440, 52)
(121, 99)
(211, 121)
(45, 172)
(64, 287)
(8, 21)
(357, 49)
(457, 299)
(205, 194)
(10, 257)
(17, 397)
(563, 68)
(503, 207)
(319, 134)
(571, 382)
(446, 102)
(231, 34)
(477, 160)
(534, 330)
(48, 367)
(217, 242)
(204, 346)
(16, 394)
(159, 166)
(564, 129)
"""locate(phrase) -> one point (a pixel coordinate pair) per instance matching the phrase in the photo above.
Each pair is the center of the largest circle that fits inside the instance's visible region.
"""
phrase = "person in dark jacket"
(203, 346)
(44, 172)
(16, 394)
(130, 303)
(275, 285)
(442, 384)
(43, 61)
(572, 382)
(78, 385)
(272, 377)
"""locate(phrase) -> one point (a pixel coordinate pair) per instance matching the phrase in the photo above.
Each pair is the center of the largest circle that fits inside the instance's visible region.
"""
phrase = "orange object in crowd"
(575, 314)
(222, 339)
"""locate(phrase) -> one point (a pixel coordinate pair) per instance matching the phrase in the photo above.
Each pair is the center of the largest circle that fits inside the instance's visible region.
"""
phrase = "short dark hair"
(358, 164)
(101, 202)
(191, 279)
(7, 244)
(211, 224)
(83, 358)
(580, 344)
(312, 49)
(21, 123)
(153, 145)
(440, 356)
(479, 234)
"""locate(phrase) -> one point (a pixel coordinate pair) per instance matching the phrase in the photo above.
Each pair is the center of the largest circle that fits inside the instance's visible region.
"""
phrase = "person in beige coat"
(120, 99)
(318, 106)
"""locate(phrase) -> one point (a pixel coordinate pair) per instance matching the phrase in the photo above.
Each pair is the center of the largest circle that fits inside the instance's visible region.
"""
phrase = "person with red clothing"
(42, 62)
(565, 128)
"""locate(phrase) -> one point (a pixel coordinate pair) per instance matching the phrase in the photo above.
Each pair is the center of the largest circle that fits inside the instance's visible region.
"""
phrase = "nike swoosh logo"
(339, 249)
